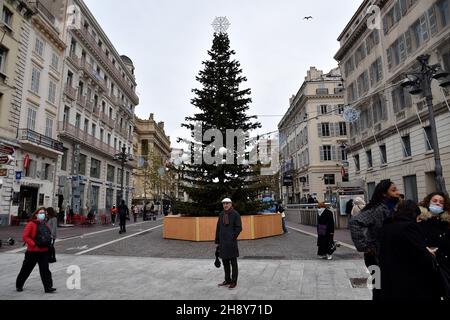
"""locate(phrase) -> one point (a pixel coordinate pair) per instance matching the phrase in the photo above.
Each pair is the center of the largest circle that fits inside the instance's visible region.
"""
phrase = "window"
(329, 179)
(110, 173)
(369, 159)
(31, 119)
(327, 153)
(383, 154)
(360, 54)
(428, 139)
(357, 163)
(3, 53)
(376, 72)
(95, 168)
(401, 99)
(82, 165)
(49, 127)
(351, 92)
(101, 134)
(64, 159)
(363, 83)
(322, 91)
(410, 183)
(115, 143)
(379, 109)
(443, 9)
(344, 155)
(86, 125)
(35, 80)
(406, 146)
(144, 147)
(94, 129)
(47, 168)
(69, 78)
(109, 139)
(55, 61)
(325, 129)
(323, 109)
(7, 16)
(39, 47)
(372, 40)
(349, 66)
(341, 109)
(342, 128)
(52, 92)
(78, 121)
(370, 189)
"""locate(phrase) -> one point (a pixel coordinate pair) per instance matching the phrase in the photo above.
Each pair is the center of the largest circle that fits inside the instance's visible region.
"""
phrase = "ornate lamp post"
(123, 157)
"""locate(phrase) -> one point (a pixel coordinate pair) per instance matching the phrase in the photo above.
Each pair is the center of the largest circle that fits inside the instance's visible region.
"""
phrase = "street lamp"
(419, 82)
(123, 157)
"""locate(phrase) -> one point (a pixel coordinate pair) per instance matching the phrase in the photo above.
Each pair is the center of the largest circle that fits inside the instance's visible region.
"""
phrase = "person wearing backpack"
(38, 238)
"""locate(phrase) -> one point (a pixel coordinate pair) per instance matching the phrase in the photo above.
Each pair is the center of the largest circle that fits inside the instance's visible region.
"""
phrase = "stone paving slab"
(143, 278)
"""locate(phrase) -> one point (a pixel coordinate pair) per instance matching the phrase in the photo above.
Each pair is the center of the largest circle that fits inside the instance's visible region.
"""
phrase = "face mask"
(41, 216)
(321, 211)
(435, 209)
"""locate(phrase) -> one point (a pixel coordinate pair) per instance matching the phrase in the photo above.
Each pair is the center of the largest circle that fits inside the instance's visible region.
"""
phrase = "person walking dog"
(229, 226)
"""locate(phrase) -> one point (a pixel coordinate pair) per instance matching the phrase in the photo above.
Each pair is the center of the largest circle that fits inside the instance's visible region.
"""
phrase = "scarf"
(226, 216)
(391, 204)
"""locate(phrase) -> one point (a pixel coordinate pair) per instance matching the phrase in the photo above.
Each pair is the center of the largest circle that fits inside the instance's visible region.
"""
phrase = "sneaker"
(329, 257)
(50, 290)
(232, 285)
(225, 283)
(19, 289)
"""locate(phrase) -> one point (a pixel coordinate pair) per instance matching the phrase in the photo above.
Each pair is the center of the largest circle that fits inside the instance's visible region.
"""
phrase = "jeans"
(230, 275)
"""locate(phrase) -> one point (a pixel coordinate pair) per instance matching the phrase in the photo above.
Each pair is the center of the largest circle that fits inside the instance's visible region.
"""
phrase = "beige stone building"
(313, 138)
(153, 153)
(96, 118)
(391, 138)
(16, 16)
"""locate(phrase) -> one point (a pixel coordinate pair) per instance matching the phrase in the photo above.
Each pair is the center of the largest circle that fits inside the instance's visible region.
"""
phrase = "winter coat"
(437, 233)
(406, 265)
(358, 205)
(365, 228)
(325, 231)
(226, 235)
(123, 211)
(53, 225)
(29, 234)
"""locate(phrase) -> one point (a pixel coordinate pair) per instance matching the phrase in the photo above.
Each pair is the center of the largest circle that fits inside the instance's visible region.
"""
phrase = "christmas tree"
(222, 105)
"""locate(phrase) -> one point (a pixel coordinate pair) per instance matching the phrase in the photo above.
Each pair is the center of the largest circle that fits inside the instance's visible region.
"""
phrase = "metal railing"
(40, 139)
(45, 12)
(70, 92)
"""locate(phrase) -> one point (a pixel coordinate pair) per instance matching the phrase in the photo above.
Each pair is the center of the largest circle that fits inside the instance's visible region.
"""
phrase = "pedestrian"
(406, 264)
(113, 213)
(349, 207)
(229, 226)
(135, 213)
(281, 210)
(358, 206)
(124, 213)
(53, 225)
(325, 232)
(37, 237)
(435, 224)
(365, 228)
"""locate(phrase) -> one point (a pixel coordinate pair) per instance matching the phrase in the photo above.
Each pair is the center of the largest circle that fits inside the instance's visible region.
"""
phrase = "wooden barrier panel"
(204, 228)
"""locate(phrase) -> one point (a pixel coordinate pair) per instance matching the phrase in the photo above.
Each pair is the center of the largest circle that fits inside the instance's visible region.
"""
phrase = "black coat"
(123, 211)
(325, 231)
(226, 235)
(437, 235)
(406, 265)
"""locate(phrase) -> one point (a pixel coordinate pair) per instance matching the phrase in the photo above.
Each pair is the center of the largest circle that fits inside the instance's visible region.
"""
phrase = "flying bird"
(307, 18)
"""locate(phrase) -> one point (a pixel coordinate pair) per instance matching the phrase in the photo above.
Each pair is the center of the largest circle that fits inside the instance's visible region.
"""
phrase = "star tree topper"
(221, 24)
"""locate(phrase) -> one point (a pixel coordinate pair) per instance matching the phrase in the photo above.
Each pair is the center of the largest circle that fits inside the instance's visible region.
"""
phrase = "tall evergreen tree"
(222, 105)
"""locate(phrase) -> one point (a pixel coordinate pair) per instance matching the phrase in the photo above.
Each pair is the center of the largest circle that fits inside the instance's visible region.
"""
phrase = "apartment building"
(96, 118)
(313, 138)
(392, 137)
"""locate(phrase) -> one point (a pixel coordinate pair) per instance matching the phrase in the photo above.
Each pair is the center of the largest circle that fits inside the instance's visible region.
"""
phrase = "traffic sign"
(18, 175)
(4, 149)
(6, 159)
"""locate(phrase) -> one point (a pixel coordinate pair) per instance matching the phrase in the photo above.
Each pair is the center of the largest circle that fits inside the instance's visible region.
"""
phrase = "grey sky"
(167, 41)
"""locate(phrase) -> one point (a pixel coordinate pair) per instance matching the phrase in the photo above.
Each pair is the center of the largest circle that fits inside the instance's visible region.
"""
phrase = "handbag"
(52, 254)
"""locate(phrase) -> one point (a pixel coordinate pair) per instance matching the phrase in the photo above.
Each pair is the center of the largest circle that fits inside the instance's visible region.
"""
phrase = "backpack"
(43, 237)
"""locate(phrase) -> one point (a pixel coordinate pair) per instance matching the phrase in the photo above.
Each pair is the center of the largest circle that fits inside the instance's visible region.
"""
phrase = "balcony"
(70, 131)
(70, 92)
(107, 119)
(45, 12)
(74, 59)
(81, 101)
(30, 136)
(90, 40)
(96, 111)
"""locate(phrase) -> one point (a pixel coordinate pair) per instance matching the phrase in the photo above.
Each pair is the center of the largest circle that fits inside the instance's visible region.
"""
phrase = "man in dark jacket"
(124, 212)
(229, 226)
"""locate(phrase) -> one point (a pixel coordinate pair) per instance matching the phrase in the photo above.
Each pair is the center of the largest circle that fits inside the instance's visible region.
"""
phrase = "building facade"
(313, 138)
(391, 138)
(152, 179)
(96, 118)
(16, 16)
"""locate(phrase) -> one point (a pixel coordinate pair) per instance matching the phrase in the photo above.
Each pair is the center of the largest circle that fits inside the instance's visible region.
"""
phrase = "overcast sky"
(168, 40)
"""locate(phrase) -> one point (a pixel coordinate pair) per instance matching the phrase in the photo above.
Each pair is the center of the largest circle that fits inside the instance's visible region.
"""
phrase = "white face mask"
(41, 216)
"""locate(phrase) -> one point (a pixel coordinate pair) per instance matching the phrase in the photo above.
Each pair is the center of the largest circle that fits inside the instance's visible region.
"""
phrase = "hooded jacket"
(358, 205)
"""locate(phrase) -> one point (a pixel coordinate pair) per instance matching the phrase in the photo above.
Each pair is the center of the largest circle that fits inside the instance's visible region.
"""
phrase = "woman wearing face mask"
(325, 232)
(435, 224)
(37, 237)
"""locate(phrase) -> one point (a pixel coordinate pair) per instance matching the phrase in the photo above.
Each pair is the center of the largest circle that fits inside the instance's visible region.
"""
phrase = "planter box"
(204, 228)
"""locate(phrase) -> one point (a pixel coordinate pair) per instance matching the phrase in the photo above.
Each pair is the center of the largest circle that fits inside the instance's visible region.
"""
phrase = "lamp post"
(123, 157)
(419, 82)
